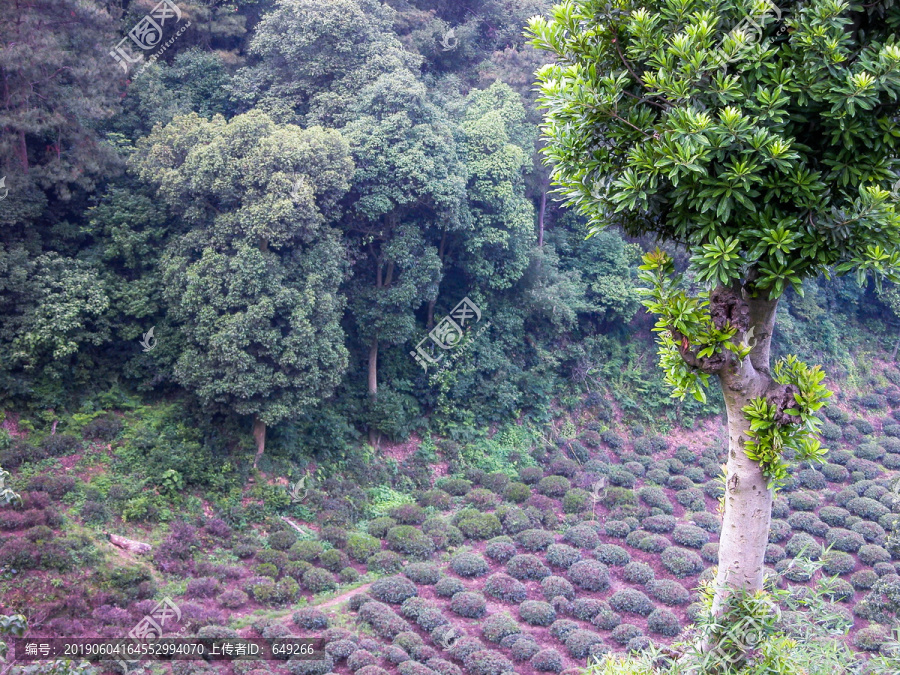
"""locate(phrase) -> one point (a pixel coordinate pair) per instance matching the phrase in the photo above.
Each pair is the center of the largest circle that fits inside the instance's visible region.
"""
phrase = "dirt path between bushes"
(343, 596)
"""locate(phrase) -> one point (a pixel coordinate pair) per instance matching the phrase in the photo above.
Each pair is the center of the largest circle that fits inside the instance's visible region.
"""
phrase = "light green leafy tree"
(254, 282)
(771, 161)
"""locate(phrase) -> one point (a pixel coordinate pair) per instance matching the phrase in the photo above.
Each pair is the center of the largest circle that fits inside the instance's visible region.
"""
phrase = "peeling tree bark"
(259, 434)
(748, 500)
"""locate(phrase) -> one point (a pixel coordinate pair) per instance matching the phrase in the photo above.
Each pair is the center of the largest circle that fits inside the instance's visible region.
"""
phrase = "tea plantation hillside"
(589, 538)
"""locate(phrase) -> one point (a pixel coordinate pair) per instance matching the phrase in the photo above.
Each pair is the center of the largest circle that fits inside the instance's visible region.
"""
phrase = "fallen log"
(128, 544)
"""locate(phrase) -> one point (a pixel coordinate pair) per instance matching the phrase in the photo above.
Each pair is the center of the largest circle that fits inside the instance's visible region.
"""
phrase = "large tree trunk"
(259, 434)
(748, 500)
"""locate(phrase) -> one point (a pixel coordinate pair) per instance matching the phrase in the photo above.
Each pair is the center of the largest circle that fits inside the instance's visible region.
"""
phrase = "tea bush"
(547, 661)
(554, 587)
(505, 588)
(843, 540)
(379, 527)
(393, 589)
(427, 574)
(590, 575)
(480, 526)
(537, 613)
(468, 604)
(488, 662)
(610, 554)
(553, 486)
(690, 536)
(360, 547)
(631, 601)
(317, 580)
(447, 587)
(579, 642)
(663, 622)
(498, 626)
(534, 539)
(582, 536)
(669, 592)
(525, 566)
(410, 540)
(469, 565)
(562, 555)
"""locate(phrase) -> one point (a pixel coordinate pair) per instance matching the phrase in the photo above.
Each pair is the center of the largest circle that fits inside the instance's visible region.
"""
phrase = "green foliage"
(771, 438)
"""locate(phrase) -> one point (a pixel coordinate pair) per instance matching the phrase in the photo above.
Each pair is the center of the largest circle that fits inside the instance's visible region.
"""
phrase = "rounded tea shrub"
(579, 642)
(427, 574)
(447, 587)
(690, 536)
(317, 580)
(527, 566)
(682, 562)
(610, 554)
(469, 565)
(531, 475)
(516, 493)
(553, 486)
(534, 539)
(505, 588)
(576, 500)
(523, 648)
(870, 554)
(498, 626)
(393, 590)
(638, 573)
(801, 544)
(488, 662)
(710, 552)
(871, 638)
(554, 587)
(606, 618)
(361, 546)
(805, 521)
(480, 525)
(500, 549)
(436, 498)
(334, 560)
(385, 562)
(844, 540)
(410, 540)
(468, 604)
(562, 555)
(310, 619)
(282, 540)
(663, 622)
(458, 487)
(838, 562)
(591, 575)
(587, 608)
(537, 613)
(661, 524)
(631, 601)
(773, 554)
(669, 592)
(582, 536)
(617, 528)
(547, 661)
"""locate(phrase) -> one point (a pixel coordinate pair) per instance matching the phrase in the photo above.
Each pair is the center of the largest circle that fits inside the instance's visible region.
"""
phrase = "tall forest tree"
(254, 282)
(770, 161)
